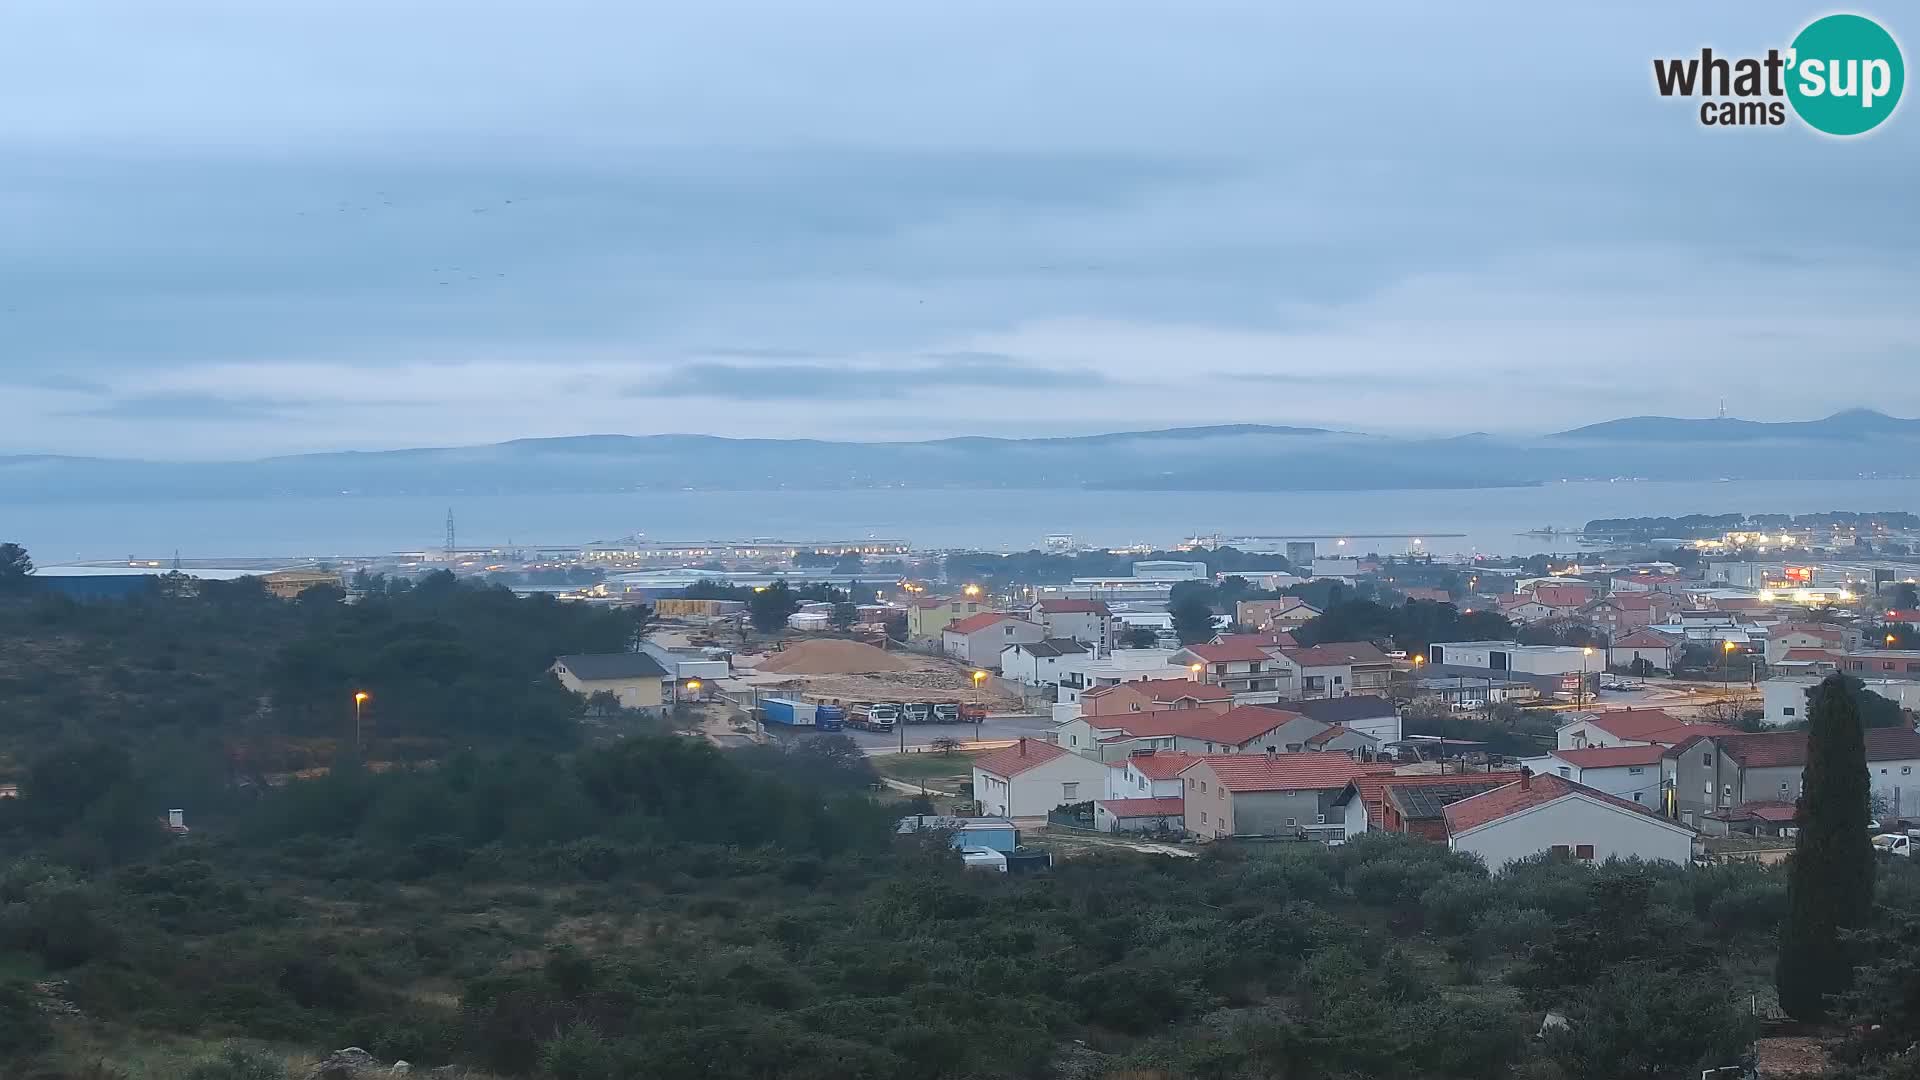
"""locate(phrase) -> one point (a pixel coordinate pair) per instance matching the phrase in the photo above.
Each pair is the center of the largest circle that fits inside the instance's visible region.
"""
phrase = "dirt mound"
(829, 657)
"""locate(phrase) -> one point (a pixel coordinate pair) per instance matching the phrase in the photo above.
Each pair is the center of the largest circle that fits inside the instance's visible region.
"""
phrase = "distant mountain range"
(1235, 457)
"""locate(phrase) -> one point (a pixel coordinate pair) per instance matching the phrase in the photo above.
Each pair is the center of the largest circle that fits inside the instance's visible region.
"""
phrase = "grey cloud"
(772, 382)
(187, 406)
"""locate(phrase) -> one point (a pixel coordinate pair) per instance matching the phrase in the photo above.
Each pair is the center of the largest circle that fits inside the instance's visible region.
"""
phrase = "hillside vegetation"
(654, 907)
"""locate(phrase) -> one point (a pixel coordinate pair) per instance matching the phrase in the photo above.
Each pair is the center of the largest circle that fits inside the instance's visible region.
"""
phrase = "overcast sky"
(249, 228)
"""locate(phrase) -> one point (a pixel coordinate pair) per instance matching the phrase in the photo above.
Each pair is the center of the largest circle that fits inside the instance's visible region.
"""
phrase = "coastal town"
(1650, 688)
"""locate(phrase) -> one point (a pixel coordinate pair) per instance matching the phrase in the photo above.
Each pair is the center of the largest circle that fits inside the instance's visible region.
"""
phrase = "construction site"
(838, 669)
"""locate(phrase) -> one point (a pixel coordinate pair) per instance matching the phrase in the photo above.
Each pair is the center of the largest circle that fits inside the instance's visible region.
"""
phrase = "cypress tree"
(1830, 884)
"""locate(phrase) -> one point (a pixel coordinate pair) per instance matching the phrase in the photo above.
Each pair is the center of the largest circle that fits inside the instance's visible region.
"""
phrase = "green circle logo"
(1846, 74)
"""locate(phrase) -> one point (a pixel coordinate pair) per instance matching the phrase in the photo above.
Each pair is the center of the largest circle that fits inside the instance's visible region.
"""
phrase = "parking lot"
(995, 729)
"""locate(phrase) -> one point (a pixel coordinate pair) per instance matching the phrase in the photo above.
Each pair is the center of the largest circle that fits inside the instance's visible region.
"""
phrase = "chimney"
(1526, 778)
(1023, 746)
(1272, 754)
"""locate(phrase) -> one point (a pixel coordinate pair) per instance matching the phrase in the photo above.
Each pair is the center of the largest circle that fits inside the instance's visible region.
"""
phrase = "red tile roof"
(1372, 790)
(1562, 595)
(1524, 794)
(1286, 772)
(1335, 653)
(1652, 725)
(977, 622)
(1772, 811)
(1630, 601)
(1904, 615)
(1233, 650)
(1161, 764)
(1271, 640)
(1333, 731)
(1011, 761)
(1438, 596)
(1231, 728)
(1819, 630)
(1810, 654)
(1164, 690)
(1644, 639)
(1610, 757)
(1071, 607)
(1771, 749)
(1161, 807)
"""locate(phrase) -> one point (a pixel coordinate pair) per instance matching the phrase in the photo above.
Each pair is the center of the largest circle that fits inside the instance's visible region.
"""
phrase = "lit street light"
(978, 713)
(1585, 653)
(360, 698)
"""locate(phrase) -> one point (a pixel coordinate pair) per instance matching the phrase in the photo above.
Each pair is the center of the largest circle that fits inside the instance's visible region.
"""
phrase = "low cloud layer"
(343, 225)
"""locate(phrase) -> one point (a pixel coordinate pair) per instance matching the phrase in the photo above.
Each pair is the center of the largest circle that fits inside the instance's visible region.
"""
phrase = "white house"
(1043, 663)
(1121, 666)
(1629, 727)
(1649, 645)
(978, 639)
(1785, 697)
(1149, 774)
(1632, 773)
(1549, 813)
(1031, 777)
(1090, 622)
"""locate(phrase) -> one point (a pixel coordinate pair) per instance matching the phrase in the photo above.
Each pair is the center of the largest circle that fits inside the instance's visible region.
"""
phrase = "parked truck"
(877, 717)
(946, 712)
(787, 712)
(917, 712)
(972, 713)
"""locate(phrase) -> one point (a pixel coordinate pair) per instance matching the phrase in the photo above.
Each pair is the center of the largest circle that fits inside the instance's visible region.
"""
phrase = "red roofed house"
(927, 616)
(1284, 614)
(1088, 622)
(1550, 813)
(1630, 727)
(1563, 600)
(1650, 645)
(1149, 774)
(1625, 612)
(1031, 777)
(1154, 695)
(1437, 596)
(1634, 773)
(1140, 815)
(1270, 794)
(1410, 804)
(1723, 772)
(1785, 637)
(1339, 668)
(1243, 666)
(1523, 608)
(1249, 729)
(978, 639)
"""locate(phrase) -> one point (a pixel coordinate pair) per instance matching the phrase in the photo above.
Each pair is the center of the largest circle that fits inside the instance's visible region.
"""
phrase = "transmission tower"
(450, 545)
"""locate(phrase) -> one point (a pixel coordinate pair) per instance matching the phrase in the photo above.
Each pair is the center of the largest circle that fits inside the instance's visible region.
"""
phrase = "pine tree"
(1830, 883)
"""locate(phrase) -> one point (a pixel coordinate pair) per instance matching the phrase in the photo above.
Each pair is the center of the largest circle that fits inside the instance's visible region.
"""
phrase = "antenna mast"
(450, 545)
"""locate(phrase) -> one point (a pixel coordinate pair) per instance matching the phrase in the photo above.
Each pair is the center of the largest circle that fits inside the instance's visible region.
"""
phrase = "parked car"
(1469, 705)
(1894, 844)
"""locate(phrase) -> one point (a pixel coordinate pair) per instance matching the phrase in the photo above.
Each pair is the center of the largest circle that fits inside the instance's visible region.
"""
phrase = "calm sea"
(1485, 520)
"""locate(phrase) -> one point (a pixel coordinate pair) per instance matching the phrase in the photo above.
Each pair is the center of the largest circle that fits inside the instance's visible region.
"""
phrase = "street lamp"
(360, 698)
(978, 678)
(1726, 668)
(1196, 669)
(693, 688)
(1585, 653)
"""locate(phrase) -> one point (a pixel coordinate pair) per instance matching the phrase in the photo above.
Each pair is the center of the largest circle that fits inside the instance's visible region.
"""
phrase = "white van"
(1894, 844)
